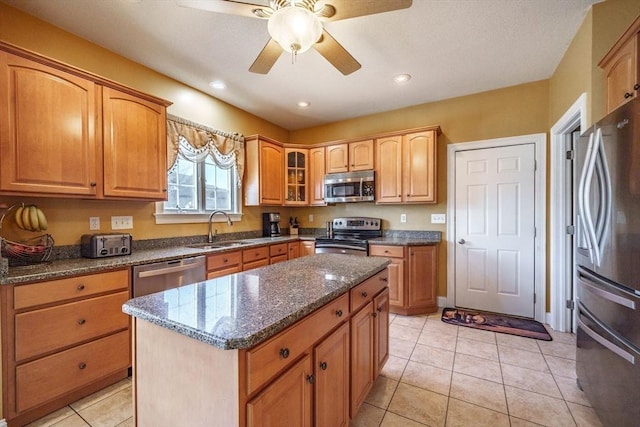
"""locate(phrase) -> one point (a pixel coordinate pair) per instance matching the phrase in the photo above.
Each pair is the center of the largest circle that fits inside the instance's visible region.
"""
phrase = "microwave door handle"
(361, 185)
(582, 208)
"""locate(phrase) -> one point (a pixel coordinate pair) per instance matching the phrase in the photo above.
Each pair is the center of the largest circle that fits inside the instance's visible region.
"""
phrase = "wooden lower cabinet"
(294, 250)
(361, 356)
(381, 330)
(285, 402)
(331, 371)
(413, 277)
(61, 341)
(219, 265)
(307, 247)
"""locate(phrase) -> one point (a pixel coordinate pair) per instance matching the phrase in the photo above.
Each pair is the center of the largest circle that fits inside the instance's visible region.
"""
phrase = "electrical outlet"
(403, 217)
(121, 222)
(438, 218)
(94, 223)
(310, 217)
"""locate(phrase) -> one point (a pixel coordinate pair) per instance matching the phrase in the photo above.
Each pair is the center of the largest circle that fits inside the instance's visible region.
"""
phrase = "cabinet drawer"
(365, 291)
(49, 329)
(223, 272)
(250, 255)
(229, 259)
(279, 258)
(386, 251)
(251, 265)
(55, 375)
(277, 250)
(55, 291)
(270, 357)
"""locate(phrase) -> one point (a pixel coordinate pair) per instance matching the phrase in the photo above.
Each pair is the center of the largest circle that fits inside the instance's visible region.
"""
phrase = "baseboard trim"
(3, 423)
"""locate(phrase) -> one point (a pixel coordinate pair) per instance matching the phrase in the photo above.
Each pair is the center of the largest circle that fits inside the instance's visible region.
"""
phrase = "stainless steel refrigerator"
(608, 266)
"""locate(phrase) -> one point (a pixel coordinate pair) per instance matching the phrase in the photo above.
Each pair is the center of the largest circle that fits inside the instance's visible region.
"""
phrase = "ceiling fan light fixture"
(295, 28)
(401, 78)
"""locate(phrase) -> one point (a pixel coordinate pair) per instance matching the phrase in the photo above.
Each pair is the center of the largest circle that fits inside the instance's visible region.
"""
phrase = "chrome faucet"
(211, 234)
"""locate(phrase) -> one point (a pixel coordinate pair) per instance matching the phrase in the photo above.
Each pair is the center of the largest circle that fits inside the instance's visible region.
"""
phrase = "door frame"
(540, 143)
(575, 116)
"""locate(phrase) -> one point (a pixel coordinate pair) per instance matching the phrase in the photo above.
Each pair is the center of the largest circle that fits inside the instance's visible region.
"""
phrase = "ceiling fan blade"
(267, 57)
(345, 9)
(223, 6)
(336, 54)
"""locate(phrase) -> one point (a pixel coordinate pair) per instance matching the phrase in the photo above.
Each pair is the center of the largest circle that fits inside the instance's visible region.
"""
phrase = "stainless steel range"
(349, 236)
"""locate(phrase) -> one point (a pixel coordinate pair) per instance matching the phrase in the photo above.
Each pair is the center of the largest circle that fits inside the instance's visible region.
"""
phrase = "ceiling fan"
(297, 25)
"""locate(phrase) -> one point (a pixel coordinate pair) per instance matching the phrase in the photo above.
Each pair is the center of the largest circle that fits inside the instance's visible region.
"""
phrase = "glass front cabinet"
(296, 182)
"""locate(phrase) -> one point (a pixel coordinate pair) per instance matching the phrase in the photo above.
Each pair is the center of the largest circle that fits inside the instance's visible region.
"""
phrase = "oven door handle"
(331, 246)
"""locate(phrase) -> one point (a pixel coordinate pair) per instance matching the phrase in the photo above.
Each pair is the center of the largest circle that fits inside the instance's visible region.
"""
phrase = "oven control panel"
(357, 223)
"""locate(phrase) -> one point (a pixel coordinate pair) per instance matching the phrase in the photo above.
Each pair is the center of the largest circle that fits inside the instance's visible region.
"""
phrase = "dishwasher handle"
(168, 270)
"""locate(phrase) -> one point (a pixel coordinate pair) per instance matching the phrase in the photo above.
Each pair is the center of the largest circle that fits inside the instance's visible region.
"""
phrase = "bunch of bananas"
(31, 218)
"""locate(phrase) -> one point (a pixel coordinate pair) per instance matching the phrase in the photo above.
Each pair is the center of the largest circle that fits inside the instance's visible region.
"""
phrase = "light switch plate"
(94, 223)
(438, 218)
(121, 222)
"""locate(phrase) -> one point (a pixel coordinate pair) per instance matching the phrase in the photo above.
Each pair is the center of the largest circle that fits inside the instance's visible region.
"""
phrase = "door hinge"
(570, 155)
(535, 165)
(535, 232)
(534, 298)
(571, 304)
(571, 230)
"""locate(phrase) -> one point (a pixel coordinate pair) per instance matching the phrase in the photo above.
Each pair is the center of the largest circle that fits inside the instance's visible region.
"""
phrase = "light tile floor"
(437, 375)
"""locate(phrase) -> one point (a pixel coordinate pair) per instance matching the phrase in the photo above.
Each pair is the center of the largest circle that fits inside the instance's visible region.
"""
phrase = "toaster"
(105, 245)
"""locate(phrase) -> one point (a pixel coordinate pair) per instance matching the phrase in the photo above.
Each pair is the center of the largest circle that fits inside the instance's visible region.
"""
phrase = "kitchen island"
(294, 343)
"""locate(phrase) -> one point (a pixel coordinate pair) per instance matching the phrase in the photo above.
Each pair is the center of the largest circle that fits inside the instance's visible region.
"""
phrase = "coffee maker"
(271, 224)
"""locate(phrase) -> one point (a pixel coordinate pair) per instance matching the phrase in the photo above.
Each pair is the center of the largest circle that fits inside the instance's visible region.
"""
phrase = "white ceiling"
(450, 47)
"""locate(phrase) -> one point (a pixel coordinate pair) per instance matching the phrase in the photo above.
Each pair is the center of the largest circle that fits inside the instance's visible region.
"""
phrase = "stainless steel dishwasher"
(160, 276)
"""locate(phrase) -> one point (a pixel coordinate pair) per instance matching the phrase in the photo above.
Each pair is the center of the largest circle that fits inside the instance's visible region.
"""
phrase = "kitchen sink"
(218, 245)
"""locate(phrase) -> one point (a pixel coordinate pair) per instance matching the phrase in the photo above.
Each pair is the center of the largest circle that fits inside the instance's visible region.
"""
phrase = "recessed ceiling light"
(218, 84)
(401, 78)
(304, 104)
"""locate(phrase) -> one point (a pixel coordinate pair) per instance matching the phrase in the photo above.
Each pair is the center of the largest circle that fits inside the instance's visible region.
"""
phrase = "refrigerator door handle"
(584, 187)
(604, 178)
(594, 289)
(606, 343)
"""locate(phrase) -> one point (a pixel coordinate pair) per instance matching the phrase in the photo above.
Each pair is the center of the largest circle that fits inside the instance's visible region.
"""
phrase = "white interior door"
(495, 229)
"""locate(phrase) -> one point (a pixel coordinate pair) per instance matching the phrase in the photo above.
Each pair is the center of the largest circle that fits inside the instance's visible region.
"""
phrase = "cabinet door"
(396, 282)
(285, 402)
(316, 176)
(361, 155)
(381, 331)
(294, 250)
(422, 280)
(332, 379)
(307, 247)
(419, 167)
(135, 147)
(271, 182)
(337, 158)
(389, 170)
(362, 356)
(296, 176)
(48, 129)
(621, 74)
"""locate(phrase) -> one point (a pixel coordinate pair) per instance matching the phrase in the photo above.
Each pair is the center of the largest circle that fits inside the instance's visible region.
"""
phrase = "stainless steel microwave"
(349, 187)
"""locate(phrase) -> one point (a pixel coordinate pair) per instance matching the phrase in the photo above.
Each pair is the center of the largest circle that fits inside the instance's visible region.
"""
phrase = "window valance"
(194, 142)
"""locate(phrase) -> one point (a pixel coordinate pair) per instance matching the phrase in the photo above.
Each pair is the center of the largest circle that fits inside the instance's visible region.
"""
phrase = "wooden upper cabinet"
(406, 168)
(621, 68)
(135, 155)
(48, 128)
(264, 183)
(354, 156)
(316, 176)
(296, 172)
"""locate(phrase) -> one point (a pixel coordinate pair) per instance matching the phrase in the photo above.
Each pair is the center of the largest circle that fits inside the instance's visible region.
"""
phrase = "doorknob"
(462, 241)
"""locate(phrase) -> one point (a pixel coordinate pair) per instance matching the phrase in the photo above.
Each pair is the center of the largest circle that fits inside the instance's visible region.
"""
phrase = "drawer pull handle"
(628, 95)
(323, 366)
(284, 352)
(82, 365)
(386, 251)
(339, 313)
(364, 294)
(374, 314)
(80, 287)
(384, 279)
(379, 309)
(225, 260)
(81, 321)
(311, 379)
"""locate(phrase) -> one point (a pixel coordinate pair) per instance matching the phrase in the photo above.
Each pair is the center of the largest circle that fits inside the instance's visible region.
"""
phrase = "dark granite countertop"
(76, 266)
(241, 310)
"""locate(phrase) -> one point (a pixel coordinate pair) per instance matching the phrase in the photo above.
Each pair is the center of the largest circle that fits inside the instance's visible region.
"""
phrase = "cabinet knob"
(636, 86)
(323, 366)
(81, 321)
(164, 190)
(93, 184)
(311, 379)
(628, 95)
(80, 287)
(374, 314)
(82, 365)
(225, 259)
(379, 309)
(284, 352)
(339, 313)
(384, 279)
(364, 294)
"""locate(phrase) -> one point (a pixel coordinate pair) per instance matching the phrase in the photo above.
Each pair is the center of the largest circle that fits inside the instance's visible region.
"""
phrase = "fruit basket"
(28, 251)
